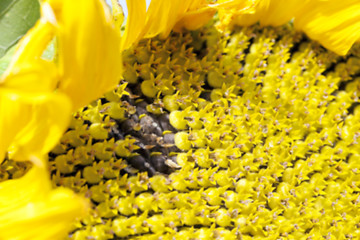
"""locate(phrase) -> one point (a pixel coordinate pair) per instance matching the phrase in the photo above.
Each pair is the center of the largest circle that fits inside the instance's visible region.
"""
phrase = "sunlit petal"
(162, 16)
(89, 52)
(335, 24)
(27, 60)
(30, 209)
(134, 23)
(31, 123)
(195, 18)
(35, 76)
(267, 12)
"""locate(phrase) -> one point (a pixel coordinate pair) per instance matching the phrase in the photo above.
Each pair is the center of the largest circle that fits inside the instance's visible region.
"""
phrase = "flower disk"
(249, 134)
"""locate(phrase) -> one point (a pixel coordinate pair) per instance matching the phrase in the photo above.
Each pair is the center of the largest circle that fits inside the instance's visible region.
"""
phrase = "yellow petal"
(240, 12)
(267, 12)
(32, 76)
(162, 16)
(12, 189)
(30, 48)
(195, 18)
(334, 23)
(134, 23)
(279, 12)
(89, 52)
(30, 209)
(31, 123)
(27, 70)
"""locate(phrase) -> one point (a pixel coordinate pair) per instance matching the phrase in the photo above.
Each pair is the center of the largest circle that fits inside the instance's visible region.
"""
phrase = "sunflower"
(233, 126)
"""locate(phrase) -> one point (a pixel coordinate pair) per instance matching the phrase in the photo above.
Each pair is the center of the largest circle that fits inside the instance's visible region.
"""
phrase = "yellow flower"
(334, 23)
(254, 130)
(264, 118)
(31, 209)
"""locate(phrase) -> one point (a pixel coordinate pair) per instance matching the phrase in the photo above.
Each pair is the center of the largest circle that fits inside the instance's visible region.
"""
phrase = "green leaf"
(5, 60)
(16, 18)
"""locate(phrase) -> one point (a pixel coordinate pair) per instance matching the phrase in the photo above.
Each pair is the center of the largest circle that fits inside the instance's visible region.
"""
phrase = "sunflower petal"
(134, 23)
(31, 123)
(30, 48)
(35, 76)
(161, 18)
(334, 23)
(89, 52)
(267, 12)
(279, 12)
(239, 12)
(195, 18)
(30, 209)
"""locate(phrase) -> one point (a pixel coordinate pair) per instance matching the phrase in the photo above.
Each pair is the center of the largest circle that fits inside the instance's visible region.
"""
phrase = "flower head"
(253, 129)
(258, 120)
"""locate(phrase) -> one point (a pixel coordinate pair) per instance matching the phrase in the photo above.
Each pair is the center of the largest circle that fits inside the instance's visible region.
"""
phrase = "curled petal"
(37, 76)
(239, 12)
(134, 23)
(334, 23)
(162, 16)
(27, 60)
(89, 52)
(30, 209)
(31, 123)
(195, 18)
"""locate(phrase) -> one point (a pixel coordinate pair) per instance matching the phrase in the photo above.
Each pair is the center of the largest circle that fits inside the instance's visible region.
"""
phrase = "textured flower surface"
(255, 133)
(248, 133)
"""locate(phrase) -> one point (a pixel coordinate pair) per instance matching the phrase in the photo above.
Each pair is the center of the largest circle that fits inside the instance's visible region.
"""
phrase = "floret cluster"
(249, 134)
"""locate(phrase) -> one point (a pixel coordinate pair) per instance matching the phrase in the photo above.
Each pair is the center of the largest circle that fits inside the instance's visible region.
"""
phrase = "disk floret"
(250, 134)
